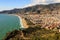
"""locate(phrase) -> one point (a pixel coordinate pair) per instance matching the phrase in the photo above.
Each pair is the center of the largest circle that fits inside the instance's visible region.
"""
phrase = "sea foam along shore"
(21, 22)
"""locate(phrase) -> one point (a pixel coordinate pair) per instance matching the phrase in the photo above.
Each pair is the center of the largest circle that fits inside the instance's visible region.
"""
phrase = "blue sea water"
(8, 23)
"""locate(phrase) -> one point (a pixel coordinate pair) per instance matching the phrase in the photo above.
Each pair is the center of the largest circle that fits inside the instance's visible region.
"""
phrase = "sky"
(11, 4)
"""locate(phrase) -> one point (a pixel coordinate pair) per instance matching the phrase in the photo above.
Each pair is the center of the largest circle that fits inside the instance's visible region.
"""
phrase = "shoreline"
(22, 26)
(23, 22)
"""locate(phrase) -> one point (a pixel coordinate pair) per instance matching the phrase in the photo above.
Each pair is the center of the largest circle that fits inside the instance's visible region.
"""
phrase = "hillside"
(35, 33)
(36, 8)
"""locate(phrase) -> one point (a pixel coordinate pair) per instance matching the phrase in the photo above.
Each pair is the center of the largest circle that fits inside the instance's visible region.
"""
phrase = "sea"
(8, 23)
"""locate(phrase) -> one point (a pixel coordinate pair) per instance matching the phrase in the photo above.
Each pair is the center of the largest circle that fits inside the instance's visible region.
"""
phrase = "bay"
(8, 23)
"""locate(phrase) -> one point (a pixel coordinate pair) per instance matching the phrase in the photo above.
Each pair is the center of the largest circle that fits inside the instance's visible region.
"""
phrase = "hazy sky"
(11, 4)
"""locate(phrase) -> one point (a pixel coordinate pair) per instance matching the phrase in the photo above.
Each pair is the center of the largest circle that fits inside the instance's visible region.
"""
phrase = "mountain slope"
(35, 8)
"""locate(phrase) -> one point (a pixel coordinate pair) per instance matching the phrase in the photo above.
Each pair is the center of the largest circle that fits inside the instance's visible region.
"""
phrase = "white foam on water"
(21, 23)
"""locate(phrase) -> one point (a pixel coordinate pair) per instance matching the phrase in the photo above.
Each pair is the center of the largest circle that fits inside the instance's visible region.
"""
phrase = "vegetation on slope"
(35, 33)
(37, 8)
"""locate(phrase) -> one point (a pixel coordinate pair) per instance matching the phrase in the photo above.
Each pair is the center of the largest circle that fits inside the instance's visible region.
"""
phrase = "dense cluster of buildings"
(46, 21)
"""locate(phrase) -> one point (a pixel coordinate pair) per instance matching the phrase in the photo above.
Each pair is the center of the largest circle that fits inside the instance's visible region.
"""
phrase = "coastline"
(22, 26)
(23, 22)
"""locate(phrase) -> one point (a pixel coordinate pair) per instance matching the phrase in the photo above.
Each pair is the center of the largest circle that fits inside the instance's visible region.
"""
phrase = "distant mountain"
(36, 9)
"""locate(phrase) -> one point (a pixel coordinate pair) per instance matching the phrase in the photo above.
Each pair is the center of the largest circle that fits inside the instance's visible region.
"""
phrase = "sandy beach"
(23, 22)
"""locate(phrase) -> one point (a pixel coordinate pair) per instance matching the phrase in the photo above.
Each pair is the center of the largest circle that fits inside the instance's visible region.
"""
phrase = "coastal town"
(48, 21)
(40, 22)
